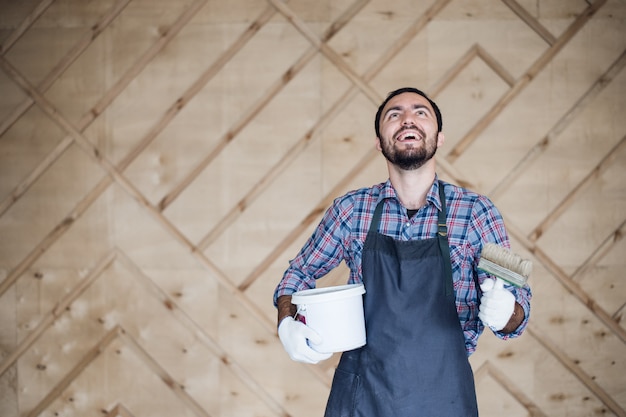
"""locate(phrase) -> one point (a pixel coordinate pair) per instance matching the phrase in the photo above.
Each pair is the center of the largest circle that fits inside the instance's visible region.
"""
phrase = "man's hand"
(295, 335)
(496, 305)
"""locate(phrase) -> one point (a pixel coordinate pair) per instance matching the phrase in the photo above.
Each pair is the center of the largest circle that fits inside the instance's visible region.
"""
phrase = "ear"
(377, 140)
(440, 139)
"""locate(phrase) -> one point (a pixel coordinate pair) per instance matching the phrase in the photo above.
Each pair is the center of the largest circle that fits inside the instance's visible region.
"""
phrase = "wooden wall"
(161, 161)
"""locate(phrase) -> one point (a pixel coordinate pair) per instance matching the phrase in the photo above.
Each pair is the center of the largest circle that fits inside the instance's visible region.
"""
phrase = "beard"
(409, 157)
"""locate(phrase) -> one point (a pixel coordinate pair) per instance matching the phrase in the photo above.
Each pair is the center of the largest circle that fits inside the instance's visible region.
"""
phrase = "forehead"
(407, 100)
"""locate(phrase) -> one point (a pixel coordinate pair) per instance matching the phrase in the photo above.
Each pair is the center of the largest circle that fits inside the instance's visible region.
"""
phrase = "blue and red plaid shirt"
(472, 220)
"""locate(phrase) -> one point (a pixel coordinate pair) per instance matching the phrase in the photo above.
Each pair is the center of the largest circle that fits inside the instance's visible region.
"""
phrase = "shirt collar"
(432, 197)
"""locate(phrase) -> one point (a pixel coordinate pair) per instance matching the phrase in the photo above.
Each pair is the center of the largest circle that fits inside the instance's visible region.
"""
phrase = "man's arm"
(286, 309)
(490, 228)
(516, 319)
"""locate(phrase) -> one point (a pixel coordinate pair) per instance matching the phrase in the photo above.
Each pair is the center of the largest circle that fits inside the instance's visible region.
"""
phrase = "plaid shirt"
(472, 220)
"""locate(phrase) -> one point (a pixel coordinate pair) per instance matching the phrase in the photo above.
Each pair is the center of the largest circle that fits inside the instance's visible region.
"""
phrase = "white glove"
(496, 304)
(295, 336)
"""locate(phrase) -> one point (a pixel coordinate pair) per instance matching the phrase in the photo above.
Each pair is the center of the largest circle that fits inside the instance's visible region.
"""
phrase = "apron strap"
(376, 218)
(442, 235)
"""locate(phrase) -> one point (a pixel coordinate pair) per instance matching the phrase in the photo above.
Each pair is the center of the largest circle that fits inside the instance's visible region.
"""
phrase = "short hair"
(401, 91)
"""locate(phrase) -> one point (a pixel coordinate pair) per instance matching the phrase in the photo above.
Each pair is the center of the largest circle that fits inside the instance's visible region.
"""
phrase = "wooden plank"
(35, 174)
(24, 26)
(52, 237)
(84, 362)
(593, 176)
(531, 21)
(576, 370)
(569, 284)
(72, 55)
(609, 243)
(180, 392)
(303, 142)
(93, 153)
(226, 138)
(287, 158)
(104, 102)
(48, 319)
(118, 336)
(510, 385)
(523, 81)
(585, 101)
(227, 359)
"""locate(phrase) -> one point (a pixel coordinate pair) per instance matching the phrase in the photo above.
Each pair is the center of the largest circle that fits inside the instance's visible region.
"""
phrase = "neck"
(412, 186)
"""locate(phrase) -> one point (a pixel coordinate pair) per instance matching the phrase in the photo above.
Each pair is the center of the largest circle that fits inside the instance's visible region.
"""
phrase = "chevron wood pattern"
(160, 162)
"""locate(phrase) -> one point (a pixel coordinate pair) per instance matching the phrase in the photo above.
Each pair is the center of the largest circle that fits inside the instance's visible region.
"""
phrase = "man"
(414, 242)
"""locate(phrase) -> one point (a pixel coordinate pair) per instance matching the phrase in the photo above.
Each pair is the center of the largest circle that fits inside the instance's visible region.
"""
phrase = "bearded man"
(414, 241)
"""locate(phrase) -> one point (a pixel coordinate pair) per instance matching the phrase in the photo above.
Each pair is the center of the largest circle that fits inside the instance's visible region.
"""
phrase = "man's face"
(408, 130)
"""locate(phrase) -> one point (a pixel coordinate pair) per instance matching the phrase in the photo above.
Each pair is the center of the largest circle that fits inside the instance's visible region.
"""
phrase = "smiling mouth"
(408, 135)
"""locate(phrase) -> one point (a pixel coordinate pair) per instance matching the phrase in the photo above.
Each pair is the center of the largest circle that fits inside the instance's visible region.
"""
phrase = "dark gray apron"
(414, 363)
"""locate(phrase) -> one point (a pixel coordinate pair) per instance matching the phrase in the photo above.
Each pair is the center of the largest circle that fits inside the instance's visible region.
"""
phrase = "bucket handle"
(297, 316)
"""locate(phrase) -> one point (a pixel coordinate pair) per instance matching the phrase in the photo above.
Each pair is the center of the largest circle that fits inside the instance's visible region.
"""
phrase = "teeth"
(408, 136)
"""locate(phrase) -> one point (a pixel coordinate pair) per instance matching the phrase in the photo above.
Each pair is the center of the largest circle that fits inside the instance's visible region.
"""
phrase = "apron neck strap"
(378, 211)
(442, 235)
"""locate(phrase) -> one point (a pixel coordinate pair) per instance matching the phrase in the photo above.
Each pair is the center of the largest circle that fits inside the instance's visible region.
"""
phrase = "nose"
(408, 119)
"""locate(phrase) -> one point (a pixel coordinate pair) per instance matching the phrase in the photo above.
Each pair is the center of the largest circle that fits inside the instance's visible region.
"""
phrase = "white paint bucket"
(336, 313)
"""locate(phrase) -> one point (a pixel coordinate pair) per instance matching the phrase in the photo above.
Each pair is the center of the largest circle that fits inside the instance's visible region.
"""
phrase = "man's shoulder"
(460, 193)
(369, 193)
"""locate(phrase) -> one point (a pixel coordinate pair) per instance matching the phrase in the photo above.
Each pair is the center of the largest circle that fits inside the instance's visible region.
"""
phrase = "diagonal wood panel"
(242, 244)
(57, 319)
(524, 80)
(116, 334)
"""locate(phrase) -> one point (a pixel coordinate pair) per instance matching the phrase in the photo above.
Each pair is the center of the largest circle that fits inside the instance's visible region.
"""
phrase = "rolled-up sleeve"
(322, 252)
(492, 230)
